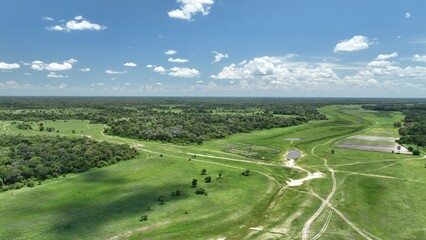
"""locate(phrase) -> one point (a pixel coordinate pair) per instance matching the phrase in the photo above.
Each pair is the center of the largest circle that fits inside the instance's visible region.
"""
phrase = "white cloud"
(407, 15)
(77, 24)
(199, 82)
(178, 60)
(58, 66)
(354, 44)
(149, 66)
(79, 18)
(62, 86)
(184, 72)
(27, 74)
(111, 72)
(419, 58)
(219, 56)
(159, 70)
(9, 85)
(386, 56)
(170, 52)
(47, 18)
(84, 69)
(66, 65)
(37, 65)
(189, 8)
(55, 75)
(130, 64)
(9, 66)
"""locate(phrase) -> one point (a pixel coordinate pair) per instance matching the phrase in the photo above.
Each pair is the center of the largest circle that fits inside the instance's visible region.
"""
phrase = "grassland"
(362, 194)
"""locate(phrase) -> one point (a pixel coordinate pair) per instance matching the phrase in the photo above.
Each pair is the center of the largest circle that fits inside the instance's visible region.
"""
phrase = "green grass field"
(372, 195)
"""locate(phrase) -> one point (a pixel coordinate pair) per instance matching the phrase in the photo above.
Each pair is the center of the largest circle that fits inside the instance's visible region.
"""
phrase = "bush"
(30, 183)
(143, 218)
(200, 191)
(208, 179)
(410, 149)
(416, 152)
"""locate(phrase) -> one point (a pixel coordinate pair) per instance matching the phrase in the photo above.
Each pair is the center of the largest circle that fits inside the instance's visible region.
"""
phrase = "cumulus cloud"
(178, 60)
(130, 64)
(419, 58)
(9, 66)
(219, 56)
(55, 75)
(40, 65)
(387, 56)
(407, 15)
(84, 69)
(149, 66)
(50, 19)
(77, 24)
(170, 52)
(160, 70)
(189, 8)
(111, 72)
(184, 72)
(356, 43)
(282, 73)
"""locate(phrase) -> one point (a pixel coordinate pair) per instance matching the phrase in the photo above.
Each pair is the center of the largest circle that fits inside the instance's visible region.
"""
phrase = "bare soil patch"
(374, 147)
(373, 138)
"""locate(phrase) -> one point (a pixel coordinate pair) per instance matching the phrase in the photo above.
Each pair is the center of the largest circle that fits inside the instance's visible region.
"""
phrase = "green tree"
(208, 179)
(416, 152)
(194, 183)
(204, 171)
(246, 173)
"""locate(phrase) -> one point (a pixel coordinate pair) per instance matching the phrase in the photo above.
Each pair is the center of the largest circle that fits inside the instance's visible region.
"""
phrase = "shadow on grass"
(86, 216)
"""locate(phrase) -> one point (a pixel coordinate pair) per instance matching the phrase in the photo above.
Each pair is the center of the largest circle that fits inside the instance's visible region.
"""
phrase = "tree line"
(25, 160)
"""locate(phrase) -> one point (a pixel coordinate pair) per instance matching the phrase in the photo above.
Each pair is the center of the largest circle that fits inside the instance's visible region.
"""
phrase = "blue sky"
(284, 48)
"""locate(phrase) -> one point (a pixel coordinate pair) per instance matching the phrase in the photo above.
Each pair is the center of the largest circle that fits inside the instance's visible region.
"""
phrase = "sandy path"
(306, 227)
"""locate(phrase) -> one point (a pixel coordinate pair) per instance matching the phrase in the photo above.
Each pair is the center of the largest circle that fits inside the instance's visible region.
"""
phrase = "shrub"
(410, 149)
(200, 191)
(208, 179)
(416, 152)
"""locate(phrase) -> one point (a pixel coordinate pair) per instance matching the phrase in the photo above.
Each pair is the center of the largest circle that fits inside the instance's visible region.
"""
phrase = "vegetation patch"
(27, 160)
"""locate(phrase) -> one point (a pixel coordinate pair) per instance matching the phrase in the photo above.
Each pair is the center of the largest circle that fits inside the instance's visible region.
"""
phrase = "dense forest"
(413, 129)
(177, 120)
(185, 128)
(25, 160)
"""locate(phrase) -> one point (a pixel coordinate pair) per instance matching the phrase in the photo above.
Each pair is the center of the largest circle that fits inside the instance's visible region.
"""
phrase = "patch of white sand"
(298, 182)
(260, 228)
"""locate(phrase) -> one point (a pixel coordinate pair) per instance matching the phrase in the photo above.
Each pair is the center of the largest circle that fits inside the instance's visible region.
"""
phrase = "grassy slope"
(105, 202)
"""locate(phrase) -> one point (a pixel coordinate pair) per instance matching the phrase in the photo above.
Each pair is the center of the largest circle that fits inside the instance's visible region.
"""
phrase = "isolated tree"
(143, 218)
(332, 151)
(416, 152)
(194, 183)
(161, 199)
(204, 171)
(246, 173)
(220, 176)
(201, 191)
(208, 179)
